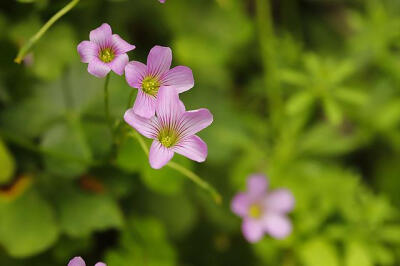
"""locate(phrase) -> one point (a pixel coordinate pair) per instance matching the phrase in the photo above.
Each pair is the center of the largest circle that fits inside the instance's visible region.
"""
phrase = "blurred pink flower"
(148, 79)
(78, 261)
(263, 212)
(173, 129)
(104, 52)
(162, 1)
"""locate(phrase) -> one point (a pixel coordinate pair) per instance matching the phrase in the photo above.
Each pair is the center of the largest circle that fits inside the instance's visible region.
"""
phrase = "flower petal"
(193, 148)
(118, 63)
(159, 60)
(120, 45)
(280, 200)
(159, 155)
(257, 185)
(145, 104)
(168, 107)
(146, 127)
(134, 73)
(179, 78)
(100, 264)
(162, 1)
(194, 121)
(98, 68)
(278, 226)
(252, 230)
(77, 261)
(240, 204)
(87, 51)
(101, 35)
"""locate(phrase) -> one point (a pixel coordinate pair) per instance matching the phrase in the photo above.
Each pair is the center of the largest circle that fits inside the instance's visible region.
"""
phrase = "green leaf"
(317, 252)
(165, 180)
(332, 111)
(7, 164)
(70, 155)
(27, 225)
(357, 255)
(299, 102)
(83, 213)
(143, 242)
(131, 157)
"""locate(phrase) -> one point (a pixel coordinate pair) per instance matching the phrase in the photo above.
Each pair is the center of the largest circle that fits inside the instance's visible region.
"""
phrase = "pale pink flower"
(173, 129)
(78, 261)
(263, 212)
(104, 52)
(148, 79)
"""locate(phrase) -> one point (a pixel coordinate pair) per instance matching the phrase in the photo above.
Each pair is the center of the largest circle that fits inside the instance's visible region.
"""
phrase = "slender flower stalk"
(107, 106)
(31, 42)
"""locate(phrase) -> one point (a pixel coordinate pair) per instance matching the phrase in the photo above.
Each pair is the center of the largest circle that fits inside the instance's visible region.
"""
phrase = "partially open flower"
(78, 261)
(173, 129)
(104, 52)
(263, 211)
(148, 79)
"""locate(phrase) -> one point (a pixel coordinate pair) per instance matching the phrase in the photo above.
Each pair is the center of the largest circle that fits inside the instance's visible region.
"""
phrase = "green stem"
(107, 106)
(31, 42)
(268, 53)
(196, 179)
(181, 169)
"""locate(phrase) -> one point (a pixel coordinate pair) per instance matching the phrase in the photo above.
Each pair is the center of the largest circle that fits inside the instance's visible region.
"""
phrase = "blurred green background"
(305, 91)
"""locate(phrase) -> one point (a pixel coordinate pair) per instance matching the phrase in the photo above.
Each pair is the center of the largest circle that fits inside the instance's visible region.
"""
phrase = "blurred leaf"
(299, 102)
(7, 164)
(357, 255)
(143, 242)
(165, 180)
(84, 213)
(332, 111)
(317, 252)
(27, 225)
(68, 141)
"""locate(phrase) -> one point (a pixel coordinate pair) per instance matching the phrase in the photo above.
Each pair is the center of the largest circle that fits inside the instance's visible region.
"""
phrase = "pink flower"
(262, 211)
(173, 129)
(148, 79)
(104, 52)
(162, 1)
(78, 261)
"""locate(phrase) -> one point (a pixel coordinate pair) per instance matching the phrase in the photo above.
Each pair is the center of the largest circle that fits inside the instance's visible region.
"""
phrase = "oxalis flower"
(173, 129)
(263, 212)
(148, 79)
(78, 261)
(104, 52)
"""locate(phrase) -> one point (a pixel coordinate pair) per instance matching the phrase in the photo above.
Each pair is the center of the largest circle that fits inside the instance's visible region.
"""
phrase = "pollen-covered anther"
(150, 85)
(106, 55)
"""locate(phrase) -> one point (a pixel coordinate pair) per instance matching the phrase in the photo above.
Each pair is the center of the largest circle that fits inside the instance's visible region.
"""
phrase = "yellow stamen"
(106, 55)
(150, 85)
(255, 211)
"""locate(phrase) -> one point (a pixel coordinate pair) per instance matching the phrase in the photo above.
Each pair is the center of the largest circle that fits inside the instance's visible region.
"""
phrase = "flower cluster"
(263, 211)
(78, 261)
(157, 113)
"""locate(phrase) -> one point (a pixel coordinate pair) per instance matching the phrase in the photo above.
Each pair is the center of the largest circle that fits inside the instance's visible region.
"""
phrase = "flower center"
(167, 138)
(255, 211)
(150, 85)
(106, 55)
